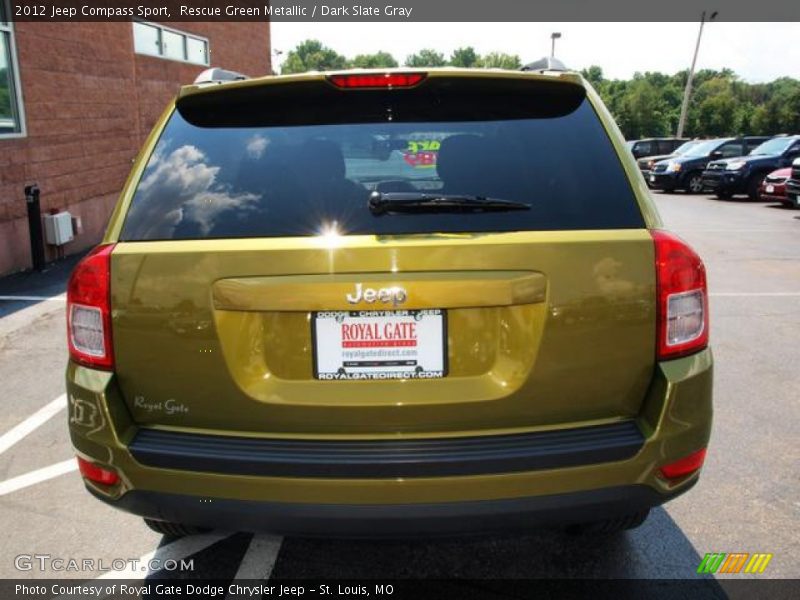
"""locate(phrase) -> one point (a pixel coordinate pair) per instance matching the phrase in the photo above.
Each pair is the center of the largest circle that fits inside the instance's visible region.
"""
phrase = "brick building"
(78, 99)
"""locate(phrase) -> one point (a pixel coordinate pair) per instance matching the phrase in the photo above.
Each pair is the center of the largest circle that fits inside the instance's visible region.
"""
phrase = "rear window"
(302, 159)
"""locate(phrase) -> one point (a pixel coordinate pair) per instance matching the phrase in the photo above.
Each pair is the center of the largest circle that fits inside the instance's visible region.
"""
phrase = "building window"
(157, 40)
(12, 118)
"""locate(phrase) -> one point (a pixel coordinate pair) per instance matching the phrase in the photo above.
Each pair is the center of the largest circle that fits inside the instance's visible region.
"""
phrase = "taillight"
(377, 80)
(682, 296)
(684, 466)
(97, 474)
(89, 310)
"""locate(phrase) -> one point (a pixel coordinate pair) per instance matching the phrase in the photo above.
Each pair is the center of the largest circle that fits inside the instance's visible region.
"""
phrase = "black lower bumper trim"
(437, 457)
(393, 520)
(663, 182)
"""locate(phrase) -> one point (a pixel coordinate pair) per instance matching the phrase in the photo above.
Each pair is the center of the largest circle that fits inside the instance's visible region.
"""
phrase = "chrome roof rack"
(217, 75)
(548, 63)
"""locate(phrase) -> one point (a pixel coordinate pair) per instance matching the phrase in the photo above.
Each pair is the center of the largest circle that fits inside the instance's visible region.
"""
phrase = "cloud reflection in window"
(256, 146)
(180, 188)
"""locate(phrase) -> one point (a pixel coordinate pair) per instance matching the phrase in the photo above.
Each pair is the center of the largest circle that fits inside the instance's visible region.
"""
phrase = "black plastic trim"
(387, 458)
(394, 520)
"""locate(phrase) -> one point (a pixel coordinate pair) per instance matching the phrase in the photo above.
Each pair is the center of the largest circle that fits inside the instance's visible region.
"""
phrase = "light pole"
(553, 37)
(688, 91)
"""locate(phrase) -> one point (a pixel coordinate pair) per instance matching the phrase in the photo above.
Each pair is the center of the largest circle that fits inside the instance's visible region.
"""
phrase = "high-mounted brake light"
(377, 80)
(682, 296)
(89, 310)
(97, 474)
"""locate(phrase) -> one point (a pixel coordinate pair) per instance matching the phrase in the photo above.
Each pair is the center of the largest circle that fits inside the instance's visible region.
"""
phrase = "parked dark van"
(654, 146)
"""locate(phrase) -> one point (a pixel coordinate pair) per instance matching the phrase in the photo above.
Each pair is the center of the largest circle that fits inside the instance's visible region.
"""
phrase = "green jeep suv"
(382, 303)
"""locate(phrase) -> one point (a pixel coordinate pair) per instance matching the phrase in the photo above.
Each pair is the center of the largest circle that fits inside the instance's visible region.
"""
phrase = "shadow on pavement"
(658, 549)
(34, 284)
(655, 561)
(780, 205)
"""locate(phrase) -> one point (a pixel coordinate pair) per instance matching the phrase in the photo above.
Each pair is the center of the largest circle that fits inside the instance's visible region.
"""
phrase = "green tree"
(641, 111)
(464, 57)
(716, 108)
(499, 60)
(593, 75)
(426, 58)
(377, 60)
(311, 55)
(791, 112)
(765, 120)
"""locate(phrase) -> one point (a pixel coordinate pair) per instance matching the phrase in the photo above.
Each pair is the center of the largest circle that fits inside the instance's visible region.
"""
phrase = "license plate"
(652, 178)
(797, 201)
(770, 189)
(372, 344)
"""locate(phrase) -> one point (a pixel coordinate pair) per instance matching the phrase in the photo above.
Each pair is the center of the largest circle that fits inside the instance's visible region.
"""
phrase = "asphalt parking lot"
(747, 500)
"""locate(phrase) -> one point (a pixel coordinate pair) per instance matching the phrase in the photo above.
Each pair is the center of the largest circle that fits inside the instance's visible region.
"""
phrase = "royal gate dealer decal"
(380, 344)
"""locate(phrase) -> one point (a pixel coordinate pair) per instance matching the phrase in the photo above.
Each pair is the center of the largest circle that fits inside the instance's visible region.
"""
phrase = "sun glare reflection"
(330, 236)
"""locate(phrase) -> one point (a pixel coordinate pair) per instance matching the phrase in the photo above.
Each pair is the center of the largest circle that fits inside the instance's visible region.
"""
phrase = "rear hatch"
(502, 279)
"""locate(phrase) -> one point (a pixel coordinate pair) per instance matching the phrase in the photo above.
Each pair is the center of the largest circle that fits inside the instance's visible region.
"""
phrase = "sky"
(757, 52)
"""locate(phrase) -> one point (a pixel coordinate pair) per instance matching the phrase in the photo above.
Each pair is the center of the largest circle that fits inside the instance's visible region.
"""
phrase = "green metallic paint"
(510, 366)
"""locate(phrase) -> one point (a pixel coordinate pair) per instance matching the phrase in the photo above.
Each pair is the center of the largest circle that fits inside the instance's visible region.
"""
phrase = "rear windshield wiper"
(407, 202)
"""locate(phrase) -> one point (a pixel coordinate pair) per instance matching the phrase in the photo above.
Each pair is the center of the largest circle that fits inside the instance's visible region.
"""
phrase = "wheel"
(754, 187)
(724, 195)
(173, 529)
(609, 526)
(694, 184)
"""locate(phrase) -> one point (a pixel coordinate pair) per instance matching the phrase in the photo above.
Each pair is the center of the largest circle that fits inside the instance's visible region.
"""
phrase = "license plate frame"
(363, 352)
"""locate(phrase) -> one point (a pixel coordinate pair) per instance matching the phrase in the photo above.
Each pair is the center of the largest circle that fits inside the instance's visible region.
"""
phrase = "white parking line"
(258, 561)
(41, 416)
(177, 550)
(59, 298)
(33, 477)
(23, 317)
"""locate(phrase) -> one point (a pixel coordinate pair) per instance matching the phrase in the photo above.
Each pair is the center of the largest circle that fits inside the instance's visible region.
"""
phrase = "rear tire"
(610, 526)
(694, 183)
(173, 529)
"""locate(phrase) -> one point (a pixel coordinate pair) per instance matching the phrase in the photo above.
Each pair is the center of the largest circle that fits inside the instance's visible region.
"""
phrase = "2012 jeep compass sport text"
(381, 303)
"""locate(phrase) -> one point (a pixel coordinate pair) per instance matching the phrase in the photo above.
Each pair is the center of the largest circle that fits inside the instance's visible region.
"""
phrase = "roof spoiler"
(548, 63)
(217, 75)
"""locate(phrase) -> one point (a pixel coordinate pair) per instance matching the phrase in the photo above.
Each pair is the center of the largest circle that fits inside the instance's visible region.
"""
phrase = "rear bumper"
(544, 478)
(393, 520)
(664, 181)
(444, 457)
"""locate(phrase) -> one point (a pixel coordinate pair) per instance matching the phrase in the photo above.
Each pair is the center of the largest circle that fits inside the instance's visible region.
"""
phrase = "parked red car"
(773, 188)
